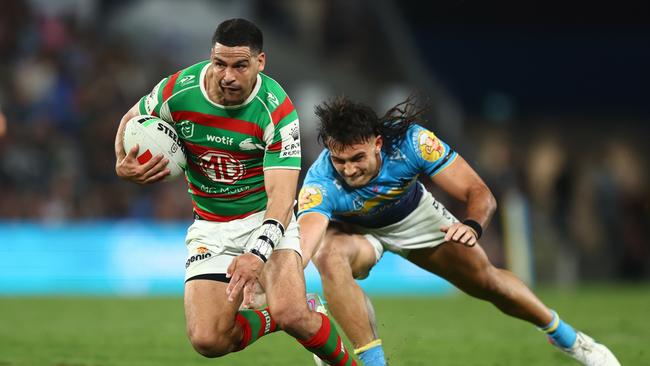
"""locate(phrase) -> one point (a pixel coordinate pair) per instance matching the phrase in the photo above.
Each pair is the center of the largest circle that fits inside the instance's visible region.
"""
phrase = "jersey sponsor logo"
(225, 140)
(224, 190)
(187, 128)
(309, 197)
(186, 80)
(290, 140)
(221, 167)
(273, 100)
(430, 146)
(201, 254)
(248, 144)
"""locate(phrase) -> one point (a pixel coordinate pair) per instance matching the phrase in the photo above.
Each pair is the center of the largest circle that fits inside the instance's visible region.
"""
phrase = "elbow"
(482, 194)
(491, 202)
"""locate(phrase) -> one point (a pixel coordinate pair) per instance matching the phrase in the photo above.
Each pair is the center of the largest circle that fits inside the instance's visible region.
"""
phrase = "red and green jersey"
(228, 147)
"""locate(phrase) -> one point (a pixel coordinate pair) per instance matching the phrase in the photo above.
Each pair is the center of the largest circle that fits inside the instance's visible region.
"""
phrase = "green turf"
(453, 330)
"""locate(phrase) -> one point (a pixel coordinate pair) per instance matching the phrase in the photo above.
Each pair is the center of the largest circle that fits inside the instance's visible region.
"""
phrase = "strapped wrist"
(270, 233)
(475, 226)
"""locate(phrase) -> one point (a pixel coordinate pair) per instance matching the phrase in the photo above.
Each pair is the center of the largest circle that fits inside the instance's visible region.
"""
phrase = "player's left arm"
(460, 181)
(245, 270)
(281, 171)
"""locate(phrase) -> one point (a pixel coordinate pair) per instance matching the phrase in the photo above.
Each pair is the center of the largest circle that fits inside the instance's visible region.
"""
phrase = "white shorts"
(420, 229)
(211, 246)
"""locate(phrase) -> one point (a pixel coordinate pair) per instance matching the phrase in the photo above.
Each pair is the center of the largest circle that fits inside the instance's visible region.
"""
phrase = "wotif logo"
(220, 139)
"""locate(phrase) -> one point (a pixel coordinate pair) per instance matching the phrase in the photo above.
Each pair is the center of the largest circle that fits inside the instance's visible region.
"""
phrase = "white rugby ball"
(155, 136)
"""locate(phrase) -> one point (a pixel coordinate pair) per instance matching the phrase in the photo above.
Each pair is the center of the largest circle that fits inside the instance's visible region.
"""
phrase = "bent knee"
(330, 255)
(290, 319)
(210, 344)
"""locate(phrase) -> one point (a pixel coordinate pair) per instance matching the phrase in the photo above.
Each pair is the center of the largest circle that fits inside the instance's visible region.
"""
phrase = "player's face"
(235, 70)
(357, 164)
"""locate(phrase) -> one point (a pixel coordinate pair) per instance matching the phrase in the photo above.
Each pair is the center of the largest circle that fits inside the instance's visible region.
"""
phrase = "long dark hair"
(344, 122)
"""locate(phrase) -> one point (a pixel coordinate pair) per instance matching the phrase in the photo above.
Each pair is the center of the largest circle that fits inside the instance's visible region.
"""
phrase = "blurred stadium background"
(548, 102)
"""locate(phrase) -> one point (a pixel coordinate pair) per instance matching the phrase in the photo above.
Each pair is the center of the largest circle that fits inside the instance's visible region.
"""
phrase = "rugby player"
(361, 197)
(241, 134)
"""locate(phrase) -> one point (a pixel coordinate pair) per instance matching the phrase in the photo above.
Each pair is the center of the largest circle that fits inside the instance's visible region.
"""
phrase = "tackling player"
(361, 197)
(242, 138)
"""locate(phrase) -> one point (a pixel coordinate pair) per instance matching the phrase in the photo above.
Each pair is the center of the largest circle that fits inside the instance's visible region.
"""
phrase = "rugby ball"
(155, 136)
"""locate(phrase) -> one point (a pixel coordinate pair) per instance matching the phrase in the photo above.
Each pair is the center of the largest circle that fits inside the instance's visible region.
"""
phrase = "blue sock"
(561, 333)
(373, 356)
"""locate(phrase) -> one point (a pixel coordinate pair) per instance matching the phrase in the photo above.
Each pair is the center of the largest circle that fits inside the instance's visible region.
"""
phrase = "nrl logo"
(186, 128)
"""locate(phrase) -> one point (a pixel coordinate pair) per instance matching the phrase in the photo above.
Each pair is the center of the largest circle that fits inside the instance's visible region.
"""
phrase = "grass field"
(454, 330)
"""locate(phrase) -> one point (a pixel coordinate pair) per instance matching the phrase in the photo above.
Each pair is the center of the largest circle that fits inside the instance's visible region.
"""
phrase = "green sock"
(327, 345)
(255, 324)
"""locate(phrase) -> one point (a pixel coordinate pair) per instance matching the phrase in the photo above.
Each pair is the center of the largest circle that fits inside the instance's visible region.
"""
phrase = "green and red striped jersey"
(228, 147)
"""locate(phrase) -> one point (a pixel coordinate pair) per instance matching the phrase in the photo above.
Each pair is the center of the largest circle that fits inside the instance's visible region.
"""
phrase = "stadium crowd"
(66, 82)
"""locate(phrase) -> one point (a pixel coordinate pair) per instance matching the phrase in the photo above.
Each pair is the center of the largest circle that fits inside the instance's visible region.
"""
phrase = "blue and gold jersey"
(387, 198)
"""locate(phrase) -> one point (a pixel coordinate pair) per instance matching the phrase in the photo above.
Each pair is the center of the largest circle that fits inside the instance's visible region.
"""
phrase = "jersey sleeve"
(154, 103)
(314, 197)
(429, 152)
(283, 140)
(150, 103)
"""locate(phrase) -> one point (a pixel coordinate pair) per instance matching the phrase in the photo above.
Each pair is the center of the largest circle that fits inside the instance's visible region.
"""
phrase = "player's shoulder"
(322, 167)
(189, 76)
(417, 135)
(423, 145)
(320, 186)
(271, 92)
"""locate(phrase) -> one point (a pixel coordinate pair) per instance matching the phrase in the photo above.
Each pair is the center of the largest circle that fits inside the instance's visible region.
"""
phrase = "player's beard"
(232, 95)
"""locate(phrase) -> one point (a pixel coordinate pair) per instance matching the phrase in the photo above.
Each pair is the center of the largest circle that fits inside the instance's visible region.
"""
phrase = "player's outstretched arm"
(313, 226)
(244, 271)
(460, 181)
(126, 164)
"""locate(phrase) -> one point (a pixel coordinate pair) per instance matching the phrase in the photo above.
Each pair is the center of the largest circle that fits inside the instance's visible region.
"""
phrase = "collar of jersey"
(256, 89)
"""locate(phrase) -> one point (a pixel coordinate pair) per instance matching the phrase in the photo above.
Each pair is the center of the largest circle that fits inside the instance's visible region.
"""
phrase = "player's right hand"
(243, 272)
(460, 233)
(128, 167)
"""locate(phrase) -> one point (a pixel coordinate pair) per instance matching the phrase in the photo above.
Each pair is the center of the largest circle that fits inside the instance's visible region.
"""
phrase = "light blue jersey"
(387, 198)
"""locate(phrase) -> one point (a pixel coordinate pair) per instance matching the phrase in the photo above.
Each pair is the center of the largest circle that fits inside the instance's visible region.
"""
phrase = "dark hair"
(344, 122)
(239, 32)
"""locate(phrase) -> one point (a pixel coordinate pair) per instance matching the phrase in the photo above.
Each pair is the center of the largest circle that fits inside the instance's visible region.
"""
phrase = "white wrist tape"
(270, 234)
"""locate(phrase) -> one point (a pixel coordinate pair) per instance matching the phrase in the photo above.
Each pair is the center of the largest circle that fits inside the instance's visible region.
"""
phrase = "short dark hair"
(344, 122)
(239, 32)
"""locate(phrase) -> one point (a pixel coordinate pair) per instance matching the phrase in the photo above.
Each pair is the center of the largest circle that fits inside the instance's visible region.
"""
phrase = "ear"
(379, 143)
(261, 61)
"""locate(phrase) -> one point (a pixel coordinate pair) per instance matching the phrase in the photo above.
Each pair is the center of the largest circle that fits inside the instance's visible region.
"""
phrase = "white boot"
(590, 353)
